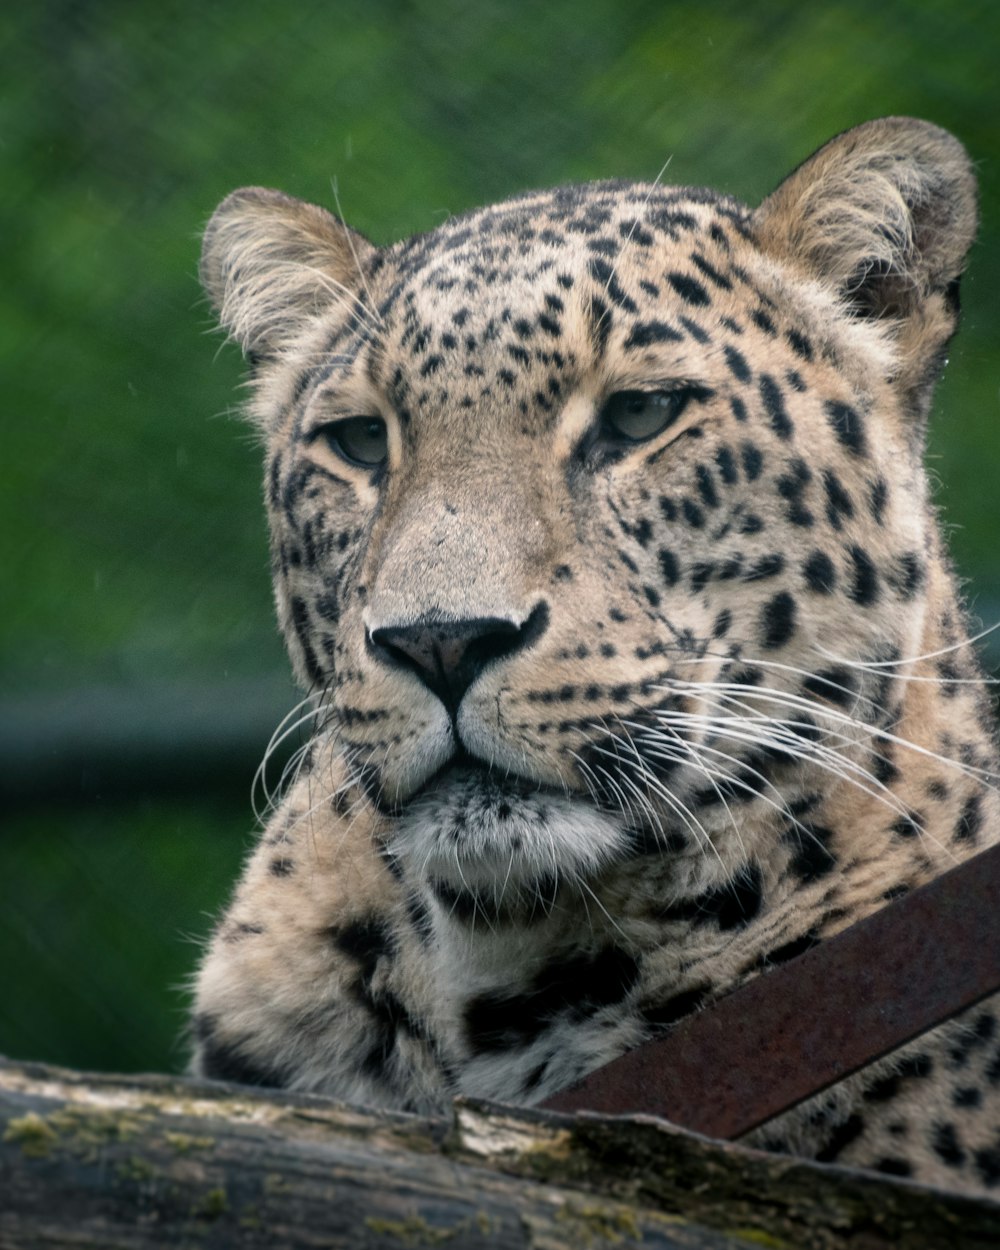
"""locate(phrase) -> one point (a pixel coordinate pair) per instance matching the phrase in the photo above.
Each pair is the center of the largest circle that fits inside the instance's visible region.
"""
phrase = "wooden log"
(124, 1162)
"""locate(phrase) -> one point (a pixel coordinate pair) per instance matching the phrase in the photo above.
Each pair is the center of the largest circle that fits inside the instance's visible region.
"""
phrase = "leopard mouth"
(471, 826)
(468, 772)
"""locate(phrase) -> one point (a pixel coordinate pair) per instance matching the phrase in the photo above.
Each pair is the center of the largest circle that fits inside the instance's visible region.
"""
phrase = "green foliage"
(131, 537)
(99, 929)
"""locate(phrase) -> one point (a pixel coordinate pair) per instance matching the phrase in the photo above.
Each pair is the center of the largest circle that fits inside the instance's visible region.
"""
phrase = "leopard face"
(601, 541)
(556, 491)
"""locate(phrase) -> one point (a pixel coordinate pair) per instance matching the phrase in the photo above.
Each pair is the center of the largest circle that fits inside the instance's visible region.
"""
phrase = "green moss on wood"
(598, 1224)
(212, 1205)
(186, 1143)
(35, 1137)
(415, 1231)
(136, 1168)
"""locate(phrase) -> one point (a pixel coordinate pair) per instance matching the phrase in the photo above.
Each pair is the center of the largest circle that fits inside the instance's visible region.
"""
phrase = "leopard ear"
(271, 263)
(885, 214)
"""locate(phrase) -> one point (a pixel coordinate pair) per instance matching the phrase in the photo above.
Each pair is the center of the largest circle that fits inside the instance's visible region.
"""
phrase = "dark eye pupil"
(358, 440)
(635, 416)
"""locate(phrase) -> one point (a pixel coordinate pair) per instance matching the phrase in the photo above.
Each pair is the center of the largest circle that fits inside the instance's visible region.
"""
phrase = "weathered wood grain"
(128, 1162)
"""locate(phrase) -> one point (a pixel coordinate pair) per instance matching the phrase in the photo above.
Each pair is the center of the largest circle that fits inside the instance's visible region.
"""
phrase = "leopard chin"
(500, 835)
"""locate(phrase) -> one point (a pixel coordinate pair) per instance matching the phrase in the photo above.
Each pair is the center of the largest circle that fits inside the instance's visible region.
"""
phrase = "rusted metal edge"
(801, 1027)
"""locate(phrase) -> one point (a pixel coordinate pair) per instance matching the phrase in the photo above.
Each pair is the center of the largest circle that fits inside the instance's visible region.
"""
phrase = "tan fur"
(603, 726)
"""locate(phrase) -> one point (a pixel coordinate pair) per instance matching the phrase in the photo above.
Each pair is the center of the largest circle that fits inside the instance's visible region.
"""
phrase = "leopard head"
(598, 516)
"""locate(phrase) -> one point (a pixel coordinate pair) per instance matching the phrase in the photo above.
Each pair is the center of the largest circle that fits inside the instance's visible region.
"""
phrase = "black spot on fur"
(812, 858)
(223, 1061)
(946, 1145)
(701, 573)
(841, 1138)
(912, 1068)
(753, 461)
(767, 566)
(907, 575)
(882, 767)
(909, 826)
(697, 332)
(632, 232)
(303, 633)
(838, 502)
(689, 289)
(602, 272)
(836, 685)
(848, 426)
(737, 364)
(730, 906)
(642, 842)
(677, 1007)
(364, 940)
(706, 487)
(878, 494)
(863, 589)
(727, 466)
(970, 821)
(777, 621)
(760, 318)
(600, 325)
(722, 623)
(792, 487)
(987, 1164)
(710, 272)
(796, 381)
(645, 333)
(669, 566)
(790, 950)
(774, 406)
(892, 1166)
(575, 988)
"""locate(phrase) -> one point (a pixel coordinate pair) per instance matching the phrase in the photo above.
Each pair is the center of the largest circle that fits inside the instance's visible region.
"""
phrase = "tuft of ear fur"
(271, 263)
(884, 214)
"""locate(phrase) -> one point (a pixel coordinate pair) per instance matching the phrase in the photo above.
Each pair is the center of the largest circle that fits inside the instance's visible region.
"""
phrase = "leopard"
(634, 663)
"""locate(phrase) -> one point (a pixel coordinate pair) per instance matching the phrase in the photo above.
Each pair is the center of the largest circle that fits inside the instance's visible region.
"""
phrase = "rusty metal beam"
(801, 1027)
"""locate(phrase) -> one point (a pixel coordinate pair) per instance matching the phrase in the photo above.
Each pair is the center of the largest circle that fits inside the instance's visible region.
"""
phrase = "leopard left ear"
(272, 264)
(885, 214)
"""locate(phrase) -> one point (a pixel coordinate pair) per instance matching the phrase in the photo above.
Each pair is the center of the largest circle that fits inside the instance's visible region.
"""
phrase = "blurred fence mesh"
(140, 667)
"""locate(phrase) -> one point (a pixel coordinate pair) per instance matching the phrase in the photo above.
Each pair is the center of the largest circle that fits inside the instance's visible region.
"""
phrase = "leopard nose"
(448, 656)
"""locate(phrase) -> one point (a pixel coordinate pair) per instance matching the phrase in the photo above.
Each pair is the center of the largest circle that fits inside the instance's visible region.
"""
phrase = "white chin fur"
(474, 831)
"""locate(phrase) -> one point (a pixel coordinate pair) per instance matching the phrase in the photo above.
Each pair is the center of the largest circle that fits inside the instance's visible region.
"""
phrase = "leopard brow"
(338, 405)
(656, 386)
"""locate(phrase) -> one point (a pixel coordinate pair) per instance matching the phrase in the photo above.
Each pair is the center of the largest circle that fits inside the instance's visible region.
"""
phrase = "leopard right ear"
(270, 264)
(883, 214)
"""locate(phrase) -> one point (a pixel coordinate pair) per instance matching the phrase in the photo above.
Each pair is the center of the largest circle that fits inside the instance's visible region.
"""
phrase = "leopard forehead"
(500, 315)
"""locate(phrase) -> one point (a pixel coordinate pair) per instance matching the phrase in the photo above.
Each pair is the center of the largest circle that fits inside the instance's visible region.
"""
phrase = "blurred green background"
(141, 673)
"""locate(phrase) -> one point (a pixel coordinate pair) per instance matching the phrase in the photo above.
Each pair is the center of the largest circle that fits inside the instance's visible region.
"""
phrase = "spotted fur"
(606, 722)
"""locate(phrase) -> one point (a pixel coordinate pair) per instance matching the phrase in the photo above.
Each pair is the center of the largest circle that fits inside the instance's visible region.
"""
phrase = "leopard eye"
(361, 441)
(636, 416)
